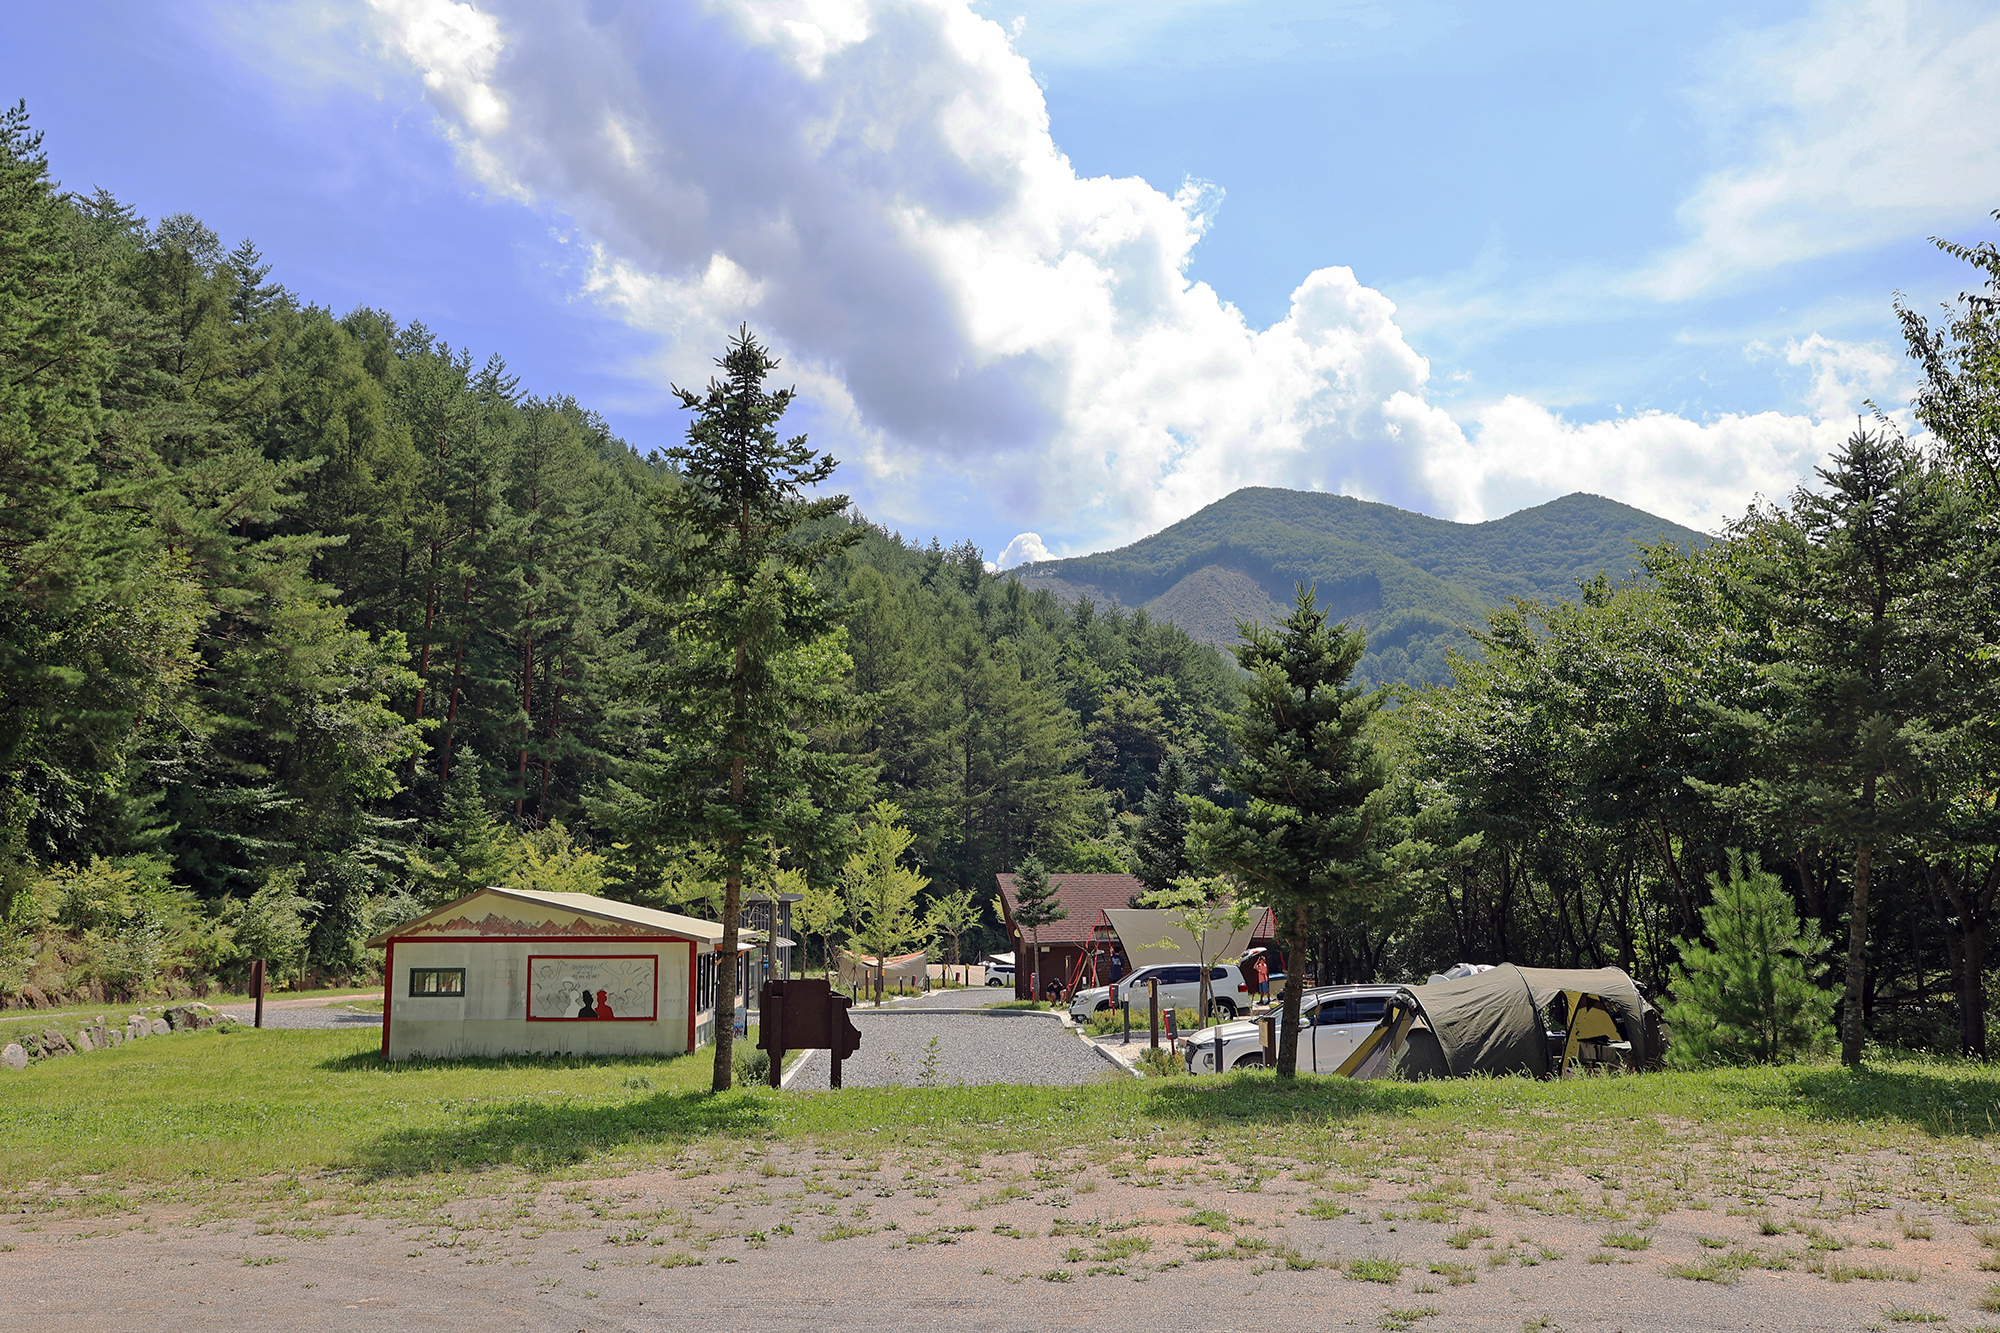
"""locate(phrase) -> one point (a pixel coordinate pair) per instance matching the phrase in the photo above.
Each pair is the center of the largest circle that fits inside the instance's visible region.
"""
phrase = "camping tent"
(1492, 1023)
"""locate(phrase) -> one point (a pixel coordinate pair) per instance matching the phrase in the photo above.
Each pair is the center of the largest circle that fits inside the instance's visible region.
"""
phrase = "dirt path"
(782, 1239)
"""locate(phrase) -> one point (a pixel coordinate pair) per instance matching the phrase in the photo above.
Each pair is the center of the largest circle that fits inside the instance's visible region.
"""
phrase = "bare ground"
(782, 1238)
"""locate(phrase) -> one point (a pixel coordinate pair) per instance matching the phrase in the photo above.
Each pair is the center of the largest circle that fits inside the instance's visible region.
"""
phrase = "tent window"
(437, 982)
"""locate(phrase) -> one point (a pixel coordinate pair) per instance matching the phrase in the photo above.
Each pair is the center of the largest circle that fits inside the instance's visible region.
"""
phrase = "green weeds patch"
(222, 1120)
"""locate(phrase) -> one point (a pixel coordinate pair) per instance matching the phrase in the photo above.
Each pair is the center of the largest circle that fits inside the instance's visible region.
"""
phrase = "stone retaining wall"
(98, 1035)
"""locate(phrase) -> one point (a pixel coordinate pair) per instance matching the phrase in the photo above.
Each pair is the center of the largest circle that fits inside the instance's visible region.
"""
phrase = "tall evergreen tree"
(756, 658)
(1853, 586)
(1315, 829)
(1036, 904)
(1160, 845)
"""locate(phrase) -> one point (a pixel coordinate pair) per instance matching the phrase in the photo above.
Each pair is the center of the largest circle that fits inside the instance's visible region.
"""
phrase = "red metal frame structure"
(1095, 958)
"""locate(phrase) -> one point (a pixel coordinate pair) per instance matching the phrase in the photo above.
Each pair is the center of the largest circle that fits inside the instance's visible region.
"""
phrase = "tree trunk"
(733, 893)
(1954, 894)
(1851, 1024)
(1288, 1037)
(528, 714)
(424, 666)
(457, 676)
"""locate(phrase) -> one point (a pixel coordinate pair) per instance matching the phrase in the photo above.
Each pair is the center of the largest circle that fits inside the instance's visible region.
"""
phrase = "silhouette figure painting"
(584, 989)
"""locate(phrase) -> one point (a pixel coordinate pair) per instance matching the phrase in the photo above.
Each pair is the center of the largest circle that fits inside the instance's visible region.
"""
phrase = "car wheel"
(1219, 1008)
(1103, 1006)
(1254, 1060)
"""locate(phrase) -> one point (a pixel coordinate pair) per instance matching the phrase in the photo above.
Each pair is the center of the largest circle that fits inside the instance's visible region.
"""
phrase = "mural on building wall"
(576, 989)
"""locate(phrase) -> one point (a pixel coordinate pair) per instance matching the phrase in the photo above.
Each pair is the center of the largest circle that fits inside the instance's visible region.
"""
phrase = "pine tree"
(1748, 996)
(1036, 904)
(1850, 584)
(756, 659)
(1160, 846)
(468, 848)
(1314, 831)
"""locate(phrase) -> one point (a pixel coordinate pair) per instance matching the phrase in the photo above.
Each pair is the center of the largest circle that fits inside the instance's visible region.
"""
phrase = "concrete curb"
(1109, 1052)
(791, 1076)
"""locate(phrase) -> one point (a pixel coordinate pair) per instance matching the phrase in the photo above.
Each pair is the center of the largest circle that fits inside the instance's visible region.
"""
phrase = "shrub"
(752, 1065)
(1749, 995)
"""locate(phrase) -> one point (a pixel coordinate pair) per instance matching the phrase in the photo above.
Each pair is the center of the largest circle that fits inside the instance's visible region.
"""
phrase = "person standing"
(1262, 971)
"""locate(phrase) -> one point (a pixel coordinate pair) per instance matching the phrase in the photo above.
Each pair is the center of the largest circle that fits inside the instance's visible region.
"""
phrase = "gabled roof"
(1084, 896)
(618, 918)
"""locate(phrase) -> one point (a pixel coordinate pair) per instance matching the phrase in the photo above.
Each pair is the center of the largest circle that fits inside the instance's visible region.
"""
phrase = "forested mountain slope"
(1410, 580)
(308, 616)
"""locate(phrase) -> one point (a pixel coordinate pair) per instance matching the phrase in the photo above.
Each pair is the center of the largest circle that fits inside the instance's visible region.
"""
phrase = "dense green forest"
(311, 618)
(1414, 582)
(308, 620)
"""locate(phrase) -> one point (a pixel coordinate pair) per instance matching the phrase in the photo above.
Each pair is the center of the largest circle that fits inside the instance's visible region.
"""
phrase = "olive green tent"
(1493, 1023)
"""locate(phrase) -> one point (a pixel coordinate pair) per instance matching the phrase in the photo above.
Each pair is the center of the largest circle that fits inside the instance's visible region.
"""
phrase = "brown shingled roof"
(1084, 895)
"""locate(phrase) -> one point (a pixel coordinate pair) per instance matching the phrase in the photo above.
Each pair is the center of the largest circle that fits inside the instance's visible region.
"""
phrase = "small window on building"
(448, 982)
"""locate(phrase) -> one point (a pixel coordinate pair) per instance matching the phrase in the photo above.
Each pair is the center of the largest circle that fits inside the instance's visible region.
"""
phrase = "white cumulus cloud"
(873, 186)
(1023, 550)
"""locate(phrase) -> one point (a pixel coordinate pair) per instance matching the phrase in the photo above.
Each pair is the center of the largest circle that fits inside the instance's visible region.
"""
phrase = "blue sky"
(1074, 268)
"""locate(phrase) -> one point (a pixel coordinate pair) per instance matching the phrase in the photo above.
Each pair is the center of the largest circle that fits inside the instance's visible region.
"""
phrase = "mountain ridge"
(1413, 582)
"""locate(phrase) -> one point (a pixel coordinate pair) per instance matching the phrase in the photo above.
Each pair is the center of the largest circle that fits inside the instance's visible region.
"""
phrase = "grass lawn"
(229, 1121)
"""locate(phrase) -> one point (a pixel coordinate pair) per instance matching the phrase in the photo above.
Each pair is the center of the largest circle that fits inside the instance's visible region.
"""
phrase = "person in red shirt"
(1262, 971)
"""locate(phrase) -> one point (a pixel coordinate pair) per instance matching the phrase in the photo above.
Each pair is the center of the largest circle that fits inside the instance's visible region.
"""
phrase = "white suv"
(1180, 988)
(1332, 1022)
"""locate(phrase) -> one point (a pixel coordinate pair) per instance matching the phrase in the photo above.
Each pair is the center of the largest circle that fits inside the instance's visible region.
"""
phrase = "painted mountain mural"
(1413, 582)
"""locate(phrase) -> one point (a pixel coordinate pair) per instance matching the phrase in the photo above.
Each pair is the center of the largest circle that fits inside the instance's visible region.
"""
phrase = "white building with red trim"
(520, 972)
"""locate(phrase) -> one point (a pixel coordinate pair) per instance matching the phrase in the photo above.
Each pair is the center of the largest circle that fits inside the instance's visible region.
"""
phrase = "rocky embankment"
(99, 1034)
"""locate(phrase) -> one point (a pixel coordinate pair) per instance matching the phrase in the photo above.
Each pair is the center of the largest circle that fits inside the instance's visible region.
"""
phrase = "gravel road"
(317, 1016)
(971, 1048)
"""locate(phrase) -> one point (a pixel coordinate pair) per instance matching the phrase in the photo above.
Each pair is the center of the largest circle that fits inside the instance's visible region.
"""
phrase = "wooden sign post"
(804, 1014)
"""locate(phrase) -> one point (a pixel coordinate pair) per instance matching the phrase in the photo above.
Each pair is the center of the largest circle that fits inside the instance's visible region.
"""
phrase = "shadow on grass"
(1939, 1101)
(1247, 1098)
(537, 1135)
(540, 1132)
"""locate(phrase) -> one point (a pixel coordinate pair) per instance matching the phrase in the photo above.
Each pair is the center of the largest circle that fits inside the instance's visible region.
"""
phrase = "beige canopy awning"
(1149, 936)
(862, 969)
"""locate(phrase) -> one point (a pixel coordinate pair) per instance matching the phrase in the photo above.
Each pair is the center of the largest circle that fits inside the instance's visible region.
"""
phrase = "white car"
(1000, 974)
(1332, 1022)
(1180, 988)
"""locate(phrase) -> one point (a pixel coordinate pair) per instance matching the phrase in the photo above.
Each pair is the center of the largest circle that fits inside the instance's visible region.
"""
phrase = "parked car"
(1332, 1021)
(1000, 974)
(1180, 988)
